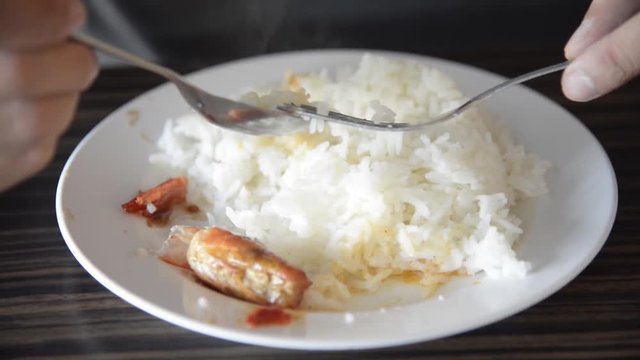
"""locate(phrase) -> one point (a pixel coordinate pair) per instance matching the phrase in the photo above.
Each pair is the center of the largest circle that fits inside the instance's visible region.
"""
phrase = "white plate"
(564, 229)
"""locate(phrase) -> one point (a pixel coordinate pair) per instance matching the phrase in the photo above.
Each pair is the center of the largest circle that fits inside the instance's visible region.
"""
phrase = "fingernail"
(77, 14)
(579, 86)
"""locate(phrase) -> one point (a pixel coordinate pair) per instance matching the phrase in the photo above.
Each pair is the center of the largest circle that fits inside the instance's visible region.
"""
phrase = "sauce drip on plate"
(268, 317)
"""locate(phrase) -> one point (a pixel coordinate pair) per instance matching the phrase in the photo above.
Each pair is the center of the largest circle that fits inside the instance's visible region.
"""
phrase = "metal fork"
(286, 118)
(308, 112)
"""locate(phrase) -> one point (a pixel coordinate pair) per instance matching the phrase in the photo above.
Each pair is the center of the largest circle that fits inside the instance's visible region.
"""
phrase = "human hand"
(41, 76)
(605, 50)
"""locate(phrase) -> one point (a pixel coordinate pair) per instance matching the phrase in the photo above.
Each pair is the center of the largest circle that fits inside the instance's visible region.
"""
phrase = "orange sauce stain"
(268, 317)
(192, 209)
(411, 277)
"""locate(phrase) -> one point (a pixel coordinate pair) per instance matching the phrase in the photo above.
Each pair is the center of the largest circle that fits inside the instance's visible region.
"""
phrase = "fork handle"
(516, 80)
(126, 56)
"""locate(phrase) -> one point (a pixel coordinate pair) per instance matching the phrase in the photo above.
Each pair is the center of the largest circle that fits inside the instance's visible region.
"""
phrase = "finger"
(602, 17)
(66, 67)
(605, 65)
(32, 23)
(28, 122)
(16, 168)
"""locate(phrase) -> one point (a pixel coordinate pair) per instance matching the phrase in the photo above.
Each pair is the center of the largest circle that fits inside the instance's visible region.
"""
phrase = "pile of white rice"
(352, 207)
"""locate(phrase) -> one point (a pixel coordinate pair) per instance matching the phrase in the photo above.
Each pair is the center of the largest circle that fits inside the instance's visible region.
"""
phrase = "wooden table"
(51, 308)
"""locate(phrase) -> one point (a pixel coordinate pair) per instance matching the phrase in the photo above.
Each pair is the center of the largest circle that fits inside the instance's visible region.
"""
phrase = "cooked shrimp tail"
(157, 203)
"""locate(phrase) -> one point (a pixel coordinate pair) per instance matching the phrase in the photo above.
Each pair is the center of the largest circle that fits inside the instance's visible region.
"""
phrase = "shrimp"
(157, 203)
(237, 266)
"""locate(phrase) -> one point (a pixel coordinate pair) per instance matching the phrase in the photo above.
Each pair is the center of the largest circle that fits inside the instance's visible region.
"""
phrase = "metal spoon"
(220, 111)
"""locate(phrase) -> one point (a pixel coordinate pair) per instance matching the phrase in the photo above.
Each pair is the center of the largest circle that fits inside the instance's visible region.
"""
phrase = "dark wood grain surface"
(51, 308)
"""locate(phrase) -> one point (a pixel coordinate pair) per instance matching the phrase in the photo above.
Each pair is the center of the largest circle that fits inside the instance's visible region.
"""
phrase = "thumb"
(605, 65)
